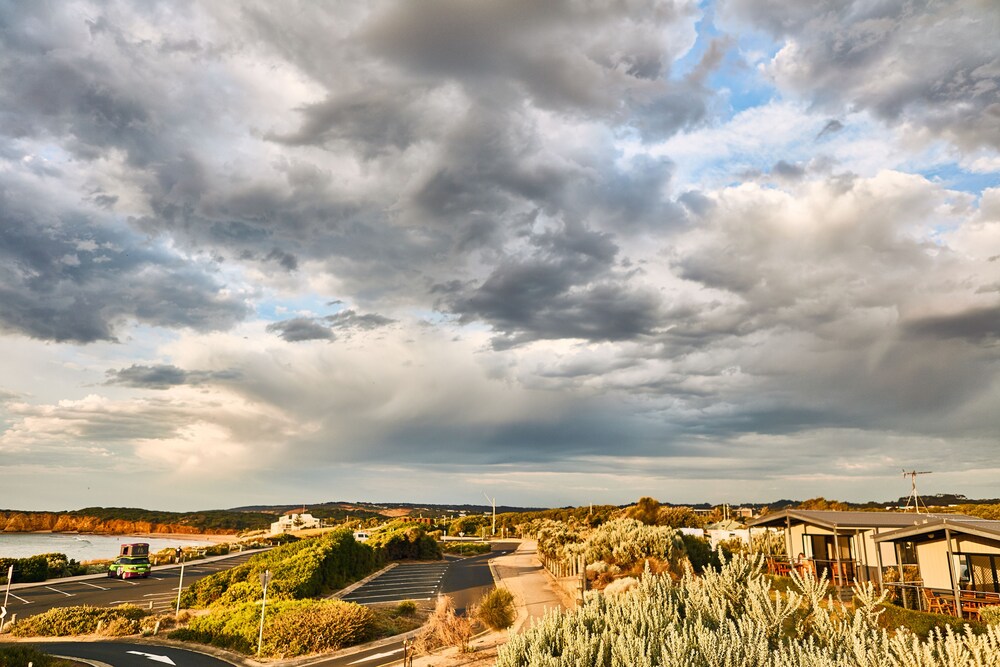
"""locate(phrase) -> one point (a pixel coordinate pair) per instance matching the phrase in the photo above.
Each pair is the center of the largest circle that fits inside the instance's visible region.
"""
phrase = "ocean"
(81, 547)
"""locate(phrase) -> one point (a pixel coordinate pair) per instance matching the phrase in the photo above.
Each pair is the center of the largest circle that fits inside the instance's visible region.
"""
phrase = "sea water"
(81, 547)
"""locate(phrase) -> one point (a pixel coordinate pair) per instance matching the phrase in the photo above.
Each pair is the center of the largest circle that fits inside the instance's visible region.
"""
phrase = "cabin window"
(907, 553)
(978, 572)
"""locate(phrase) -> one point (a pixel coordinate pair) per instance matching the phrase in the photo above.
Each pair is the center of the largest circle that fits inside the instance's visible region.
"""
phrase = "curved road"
(123, 654)
(466, 580)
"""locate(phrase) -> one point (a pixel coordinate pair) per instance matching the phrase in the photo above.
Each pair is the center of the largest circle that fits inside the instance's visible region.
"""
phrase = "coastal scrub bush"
(292, 628)
(301, 569)
(66, 621)
(730, 617)
(403, 540)
(33, 568)
(496, 609)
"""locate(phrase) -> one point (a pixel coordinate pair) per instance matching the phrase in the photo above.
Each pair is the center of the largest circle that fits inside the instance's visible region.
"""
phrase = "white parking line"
(95, 586)
(391, 595)
(21, 599)
(168, 594)
(56, 590)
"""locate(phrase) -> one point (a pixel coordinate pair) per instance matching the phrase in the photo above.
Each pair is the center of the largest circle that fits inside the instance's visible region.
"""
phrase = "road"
(160, 589)
(123, 654)
(465, 580)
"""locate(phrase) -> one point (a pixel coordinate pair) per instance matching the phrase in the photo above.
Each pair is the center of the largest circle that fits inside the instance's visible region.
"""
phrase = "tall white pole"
(493, 501)
(10, 576)
(265, 577)
(180, 587)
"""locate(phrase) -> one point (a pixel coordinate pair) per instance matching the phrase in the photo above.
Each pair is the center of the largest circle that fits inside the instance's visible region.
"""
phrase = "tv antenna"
(914, 498)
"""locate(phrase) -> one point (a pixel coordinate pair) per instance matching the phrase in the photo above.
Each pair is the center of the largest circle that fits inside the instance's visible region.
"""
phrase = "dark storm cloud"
(979, 325)
(300, 329)
(162, 376)
(943, 58)
(350, 320)
(566, 289)
(371, 120)
(787, 170)
(77, 280)
(148, 377)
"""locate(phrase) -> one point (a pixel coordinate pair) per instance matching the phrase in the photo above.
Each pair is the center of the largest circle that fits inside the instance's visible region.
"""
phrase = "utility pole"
(912, 474)
(494, 502)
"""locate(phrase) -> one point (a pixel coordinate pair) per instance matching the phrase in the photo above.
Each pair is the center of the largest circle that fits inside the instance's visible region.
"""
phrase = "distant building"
(427, 521)
(294, 521)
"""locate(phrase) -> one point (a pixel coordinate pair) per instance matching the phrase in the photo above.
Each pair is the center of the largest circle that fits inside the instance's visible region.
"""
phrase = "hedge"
(301, 569)
(64, 621)
(292, 627)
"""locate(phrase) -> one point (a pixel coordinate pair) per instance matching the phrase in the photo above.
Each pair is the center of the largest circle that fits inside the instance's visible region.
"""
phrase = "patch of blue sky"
(275, 309)
(737, 78)
(953, 177)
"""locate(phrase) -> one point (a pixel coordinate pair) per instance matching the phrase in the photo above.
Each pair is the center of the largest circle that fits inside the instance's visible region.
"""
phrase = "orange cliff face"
(27, 522)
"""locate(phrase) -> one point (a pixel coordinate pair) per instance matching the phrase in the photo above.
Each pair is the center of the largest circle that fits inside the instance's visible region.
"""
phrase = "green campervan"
(132, 562)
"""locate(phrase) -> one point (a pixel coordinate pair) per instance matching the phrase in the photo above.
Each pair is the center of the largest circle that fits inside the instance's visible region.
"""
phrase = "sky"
(554, 253)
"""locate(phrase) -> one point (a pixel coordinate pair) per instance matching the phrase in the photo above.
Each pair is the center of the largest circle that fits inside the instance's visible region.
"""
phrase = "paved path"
(534, 590)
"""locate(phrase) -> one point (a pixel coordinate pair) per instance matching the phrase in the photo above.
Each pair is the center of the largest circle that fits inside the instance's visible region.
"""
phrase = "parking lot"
(406, 581)
(158, 592)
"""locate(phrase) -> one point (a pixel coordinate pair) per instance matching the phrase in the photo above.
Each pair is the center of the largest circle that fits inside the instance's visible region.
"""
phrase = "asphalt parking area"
(406, 581)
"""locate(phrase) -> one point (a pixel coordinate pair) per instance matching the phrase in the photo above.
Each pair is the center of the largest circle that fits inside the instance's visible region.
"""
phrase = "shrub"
(922, 623)
(990, 615)
(401, 540)
(66, 621)
(21, 655)
(406, 608)
(496, 609)
(465, 548)
(444, 628)
(700, 553)
(730, 617)
(34, 568)
(292, 627)
(301, 569)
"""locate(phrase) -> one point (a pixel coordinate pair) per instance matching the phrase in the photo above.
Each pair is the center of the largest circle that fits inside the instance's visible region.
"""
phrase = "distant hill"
(360, 510)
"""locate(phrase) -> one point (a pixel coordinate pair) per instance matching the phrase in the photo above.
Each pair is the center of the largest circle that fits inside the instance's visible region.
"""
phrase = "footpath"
(535, 593)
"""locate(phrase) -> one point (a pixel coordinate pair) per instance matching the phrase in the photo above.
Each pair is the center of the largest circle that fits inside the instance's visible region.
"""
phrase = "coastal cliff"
(26, 522)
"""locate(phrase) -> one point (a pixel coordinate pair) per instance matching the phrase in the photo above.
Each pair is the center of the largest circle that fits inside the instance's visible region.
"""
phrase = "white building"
(294, 521)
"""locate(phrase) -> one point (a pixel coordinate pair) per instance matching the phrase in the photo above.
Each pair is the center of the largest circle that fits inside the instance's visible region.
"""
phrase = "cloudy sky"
(558, 252)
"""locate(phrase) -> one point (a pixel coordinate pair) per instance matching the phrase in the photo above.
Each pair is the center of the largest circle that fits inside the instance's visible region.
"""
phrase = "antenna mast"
(914, 498)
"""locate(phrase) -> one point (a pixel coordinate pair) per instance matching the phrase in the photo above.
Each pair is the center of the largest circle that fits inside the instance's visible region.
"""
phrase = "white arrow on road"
(376, 656)
(157, 658)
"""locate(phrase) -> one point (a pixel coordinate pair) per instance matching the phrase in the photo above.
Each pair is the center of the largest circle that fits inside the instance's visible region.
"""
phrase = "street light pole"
(180, 587)
(494, 503)
(265, 578)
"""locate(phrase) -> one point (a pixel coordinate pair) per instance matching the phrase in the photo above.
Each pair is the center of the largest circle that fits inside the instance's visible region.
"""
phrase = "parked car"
(129, 567)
